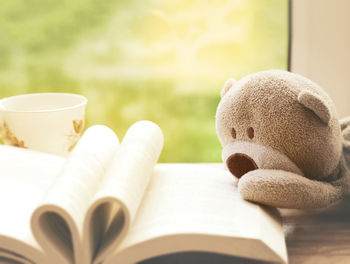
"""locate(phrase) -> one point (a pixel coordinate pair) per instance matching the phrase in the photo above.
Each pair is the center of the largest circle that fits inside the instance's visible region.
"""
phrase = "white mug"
(47, 122)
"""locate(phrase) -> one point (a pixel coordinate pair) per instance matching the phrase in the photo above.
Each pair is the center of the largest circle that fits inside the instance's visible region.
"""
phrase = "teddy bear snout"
(239, 164)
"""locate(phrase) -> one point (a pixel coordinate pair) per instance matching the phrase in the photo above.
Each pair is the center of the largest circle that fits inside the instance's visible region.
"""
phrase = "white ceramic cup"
(47, 122)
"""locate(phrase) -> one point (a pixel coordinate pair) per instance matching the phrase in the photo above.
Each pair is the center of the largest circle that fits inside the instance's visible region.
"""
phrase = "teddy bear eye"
(233, 133)
(250, 132)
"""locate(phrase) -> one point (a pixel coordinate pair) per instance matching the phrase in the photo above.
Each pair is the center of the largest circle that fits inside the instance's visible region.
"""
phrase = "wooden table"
(318, 236)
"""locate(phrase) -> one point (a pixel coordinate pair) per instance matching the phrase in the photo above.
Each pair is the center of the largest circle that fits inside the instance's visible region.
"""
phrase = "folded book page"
(57, 223)
(124, 185)
(88, 209)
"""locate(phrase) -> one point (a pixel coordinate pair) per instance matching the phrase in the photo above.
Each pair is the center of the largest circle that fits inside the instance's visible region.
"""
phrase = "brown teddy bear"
(283, 141)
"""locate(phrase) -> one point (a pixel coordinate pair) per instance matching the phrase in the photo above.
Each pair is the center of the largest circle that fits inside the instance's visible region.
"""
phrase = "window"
(164, 61)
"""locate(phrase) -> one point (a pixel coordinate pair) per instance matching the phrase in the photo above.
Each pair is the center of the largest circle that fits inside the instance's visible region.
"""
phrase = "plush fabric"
(282, 139)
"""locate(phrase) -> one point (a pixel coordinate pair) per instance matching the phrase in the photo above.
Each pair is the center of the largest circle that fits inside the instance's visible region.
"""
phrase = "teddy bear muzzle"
(240, 163)
(242, 157)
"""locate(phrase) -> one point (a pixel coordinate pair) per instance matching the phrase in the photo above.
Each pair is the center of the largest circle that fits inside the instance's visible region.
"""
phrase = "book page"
(58, 222)
(198, 208)
(123, 187)
(25, 176)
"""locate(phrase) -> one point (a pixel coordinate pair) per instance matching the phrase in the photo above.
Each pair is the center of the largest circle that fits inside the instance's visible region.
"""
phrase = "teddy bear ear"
(316, 104)
(227, 86)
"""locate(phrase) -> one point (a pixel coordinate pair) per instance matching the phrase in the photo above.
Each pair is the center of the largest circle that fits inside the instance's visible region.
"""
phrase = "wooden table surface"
(318, 236)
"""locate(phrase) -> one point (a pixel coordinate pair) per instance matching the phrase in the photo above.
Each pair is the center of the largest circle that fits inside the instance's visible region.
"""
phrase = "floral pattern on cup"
(78, 127)
(9, 137)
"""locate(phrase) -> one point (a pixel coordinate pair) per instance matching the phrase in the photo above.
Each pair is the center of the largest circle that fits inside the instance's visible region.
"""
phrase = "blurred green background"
(164, 61)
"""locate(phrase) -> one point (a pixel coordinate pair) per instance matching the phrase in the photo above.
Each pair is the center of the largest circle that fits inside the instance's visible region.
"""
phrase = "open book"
(110, 203)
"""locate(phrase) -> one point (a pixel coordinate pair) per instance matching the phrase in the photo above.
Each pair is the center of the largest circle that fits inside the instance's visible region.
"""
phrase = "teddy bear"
(283, 141)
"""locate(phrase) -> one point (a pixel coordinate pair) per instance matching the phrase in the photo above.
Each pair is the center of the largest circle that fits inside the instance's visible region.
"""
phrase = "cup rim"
(83, 102)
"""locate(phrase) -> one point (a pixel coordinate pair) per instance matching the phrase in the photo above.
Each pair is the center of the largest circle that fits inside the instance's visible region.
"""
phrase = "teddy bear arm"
(287, 190)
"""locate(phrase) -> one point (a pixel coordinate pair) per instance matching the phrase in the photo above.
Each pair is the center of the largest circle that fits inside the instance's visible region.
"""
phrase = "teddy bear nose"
(239, 164)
